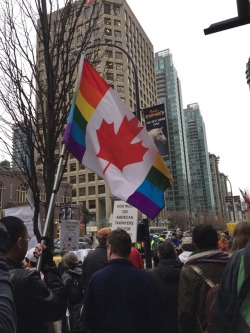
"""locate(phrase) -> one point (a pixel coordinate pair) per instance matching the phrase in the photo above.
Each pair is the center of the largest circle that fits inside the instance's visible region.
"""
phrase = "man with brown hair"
(120, 297)
(97, 258)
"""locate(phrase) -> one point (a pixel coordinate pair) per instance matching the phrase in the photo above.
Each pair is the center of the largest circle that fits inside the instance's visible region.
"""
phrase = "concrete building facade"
(117, 26)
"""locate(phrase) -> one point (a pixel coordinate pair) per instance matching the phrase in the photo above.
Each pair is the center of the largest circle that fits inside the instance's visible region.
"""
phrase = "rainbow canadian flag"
(105, 136)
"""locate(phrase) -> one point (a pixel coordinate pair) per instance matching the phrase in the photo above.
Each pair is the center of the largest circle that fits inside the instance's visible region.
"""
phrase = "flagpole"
(51, 204)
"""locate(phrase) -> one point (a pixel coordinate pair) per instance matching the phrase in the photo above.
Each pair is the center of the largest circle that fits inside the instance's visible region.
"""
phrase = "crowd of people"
(112, 292)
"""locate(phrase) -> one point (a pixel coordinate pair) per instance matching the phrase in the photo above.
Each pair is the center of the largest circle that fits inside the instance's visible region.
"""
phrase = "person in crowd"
(186, 248)
(241, 236)
(119, 297)
(175, 240)
(156, 240)
(192, 287)
(7, 307)
(223, 242)
(97, 258)
(37, 302)
(179, 234)
(72, 279)
(30, 259)
(166, 279)
(136, 258)
(231, 309)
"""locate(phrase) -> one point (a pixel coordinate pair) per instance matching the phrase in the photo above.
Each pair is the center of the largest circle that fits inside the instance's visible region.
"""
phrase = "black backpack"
(74, 287)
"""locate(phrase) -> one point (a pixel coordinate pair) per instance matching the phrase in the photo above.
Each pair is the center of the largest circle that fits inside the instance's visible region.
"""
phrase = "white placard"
(70, 230)
(125, 217)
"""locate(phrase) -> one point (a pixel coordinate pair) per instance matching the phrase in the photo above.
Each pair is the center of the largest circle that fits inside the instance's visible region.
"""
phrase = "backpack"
(74, 287)
(210, 298)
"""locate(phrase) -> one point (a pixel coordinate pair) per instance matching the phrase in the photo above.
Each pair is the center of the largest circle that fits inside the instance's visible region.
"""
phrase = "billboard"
(156, 125)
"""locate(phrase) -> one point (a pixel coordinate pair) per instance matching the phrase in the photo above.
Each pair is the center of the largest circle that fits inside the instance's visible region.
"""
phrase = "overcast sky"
(211, 70)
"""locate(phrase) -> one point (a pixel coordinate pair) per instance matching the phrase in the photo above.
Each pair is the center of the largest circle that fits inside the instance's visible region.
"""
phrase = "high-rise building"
(201, 181)
(119, 30)
(219, 196)
(178, 197)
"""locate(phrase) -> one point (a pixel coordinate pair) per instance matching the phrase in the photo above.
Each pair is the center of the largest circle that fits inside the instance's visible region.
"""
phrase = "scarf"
(207, 256)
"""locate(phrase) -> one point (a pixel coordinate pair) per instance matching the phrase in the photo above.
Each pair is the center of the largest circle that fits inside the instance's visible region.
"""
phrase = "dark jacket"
(95, 260)
(120, 299)
(231, 311)
(37, 302)
(193, 289)
(166, 279)
(7, 308)
(72, 279)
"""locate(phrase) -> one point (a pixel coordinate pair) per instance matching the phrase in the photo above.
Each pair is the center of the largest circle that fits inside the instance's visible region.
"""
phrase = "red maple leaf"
(116, 148)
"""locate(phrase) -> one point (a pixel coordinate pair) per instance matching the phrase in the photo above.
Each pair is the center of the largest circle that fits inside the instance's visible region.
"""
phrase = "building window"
(108, 32)
(109, 65)
(72, 180)
(82, 191)
(117, 23)
(118, 55)
(107, 21)
(109, 54)
(119, 78)
(91, 177)
(92, 190)
(118, 34)
(120, 89)
(119, 67)
(21, 193)
(107, 9)
(81, 178)
(110, 76)
(101, 189)
(116, 10)
(73, 167)
(92, 204)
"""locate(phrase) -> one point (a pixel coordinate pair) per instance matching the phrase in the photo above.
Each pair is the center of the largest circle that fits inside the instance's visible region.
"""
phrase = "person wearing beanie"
(187, 248)
(97, 258)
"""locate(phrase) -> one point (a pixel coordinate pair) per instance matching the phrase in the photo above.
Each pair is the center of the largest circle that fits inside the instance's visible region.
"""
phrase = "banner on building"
(156, 125)
(26, 214)
(125, 217)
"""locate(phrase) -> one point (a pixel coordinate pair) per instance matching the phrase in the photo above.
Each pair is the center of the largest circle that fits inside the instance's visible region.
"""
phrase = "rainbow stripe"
(90, 90)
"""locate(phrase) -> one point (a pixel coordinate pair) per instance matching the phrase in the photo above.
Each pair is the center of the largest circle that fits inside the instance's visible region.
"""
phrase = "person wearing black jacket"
(7, 308)
(96, 259)
(37, 301)
(166, 280)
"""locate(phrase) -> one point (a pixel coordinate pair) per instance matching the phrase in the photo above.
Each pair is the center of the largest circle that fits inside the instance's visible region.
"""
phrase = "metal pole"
(51, 204)
(232, 198)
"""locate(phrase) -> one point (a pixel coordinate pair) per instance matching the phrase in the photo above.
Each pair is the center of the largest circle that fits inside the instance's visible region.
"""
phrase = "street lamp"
(231, 197)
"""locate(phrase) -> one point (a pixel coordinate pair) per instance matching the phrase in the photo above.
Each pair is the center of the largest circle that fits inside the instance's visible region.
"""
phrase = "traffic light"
(242, 19)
